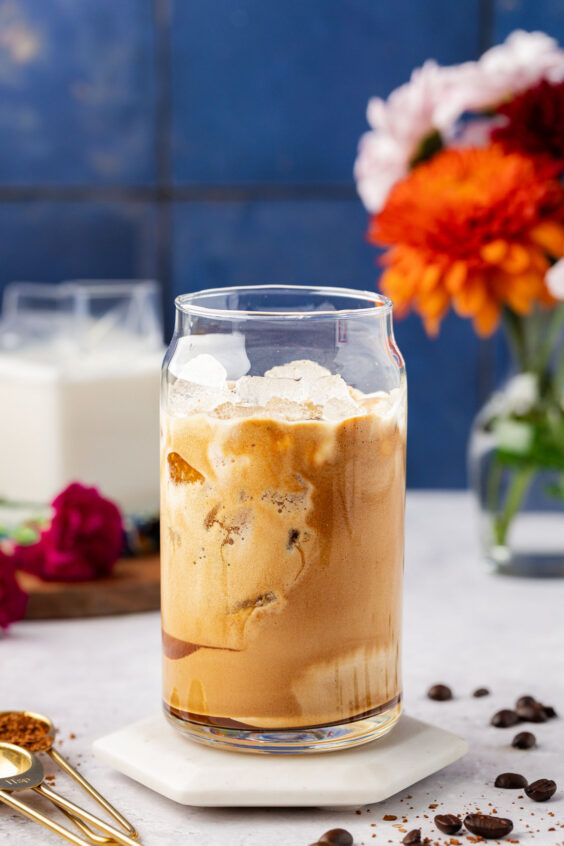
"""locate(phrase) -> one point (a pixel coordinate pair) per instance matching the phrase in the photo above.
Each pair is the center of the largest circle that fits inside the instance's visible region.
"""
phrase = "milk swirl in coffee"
(282, 547)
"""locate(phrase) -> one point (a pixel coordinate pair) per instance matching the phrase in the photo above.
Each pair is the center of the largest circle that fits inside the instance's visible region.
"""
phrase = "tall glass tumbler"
(283, 430)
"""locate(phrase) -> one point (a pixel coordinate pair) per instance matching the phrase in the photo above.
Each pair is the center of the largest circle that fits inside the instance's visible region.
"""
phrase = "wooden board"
(133, 586)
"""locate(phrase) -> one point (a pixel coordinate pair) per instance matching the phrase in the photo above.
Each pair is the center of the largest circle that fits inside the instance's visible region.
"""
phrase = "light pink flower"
(399, 125)
(555, 280)
(434, 100)
(523, 60)
(476, 132)
(381, 162)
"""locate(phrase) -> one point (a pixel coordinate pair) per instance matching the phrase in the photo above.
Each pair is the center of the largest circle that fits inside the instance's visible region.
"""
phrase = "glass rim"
(378, 304)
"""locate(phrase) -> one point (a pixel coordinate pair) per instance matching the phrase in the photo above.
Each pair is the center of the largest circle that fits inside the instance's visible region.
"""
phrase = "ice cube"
(288, 409)
(258, 390)
(328, 387)
(190, 398)
(230, 411)
(204, 369)
(338, 409)
(304, 370)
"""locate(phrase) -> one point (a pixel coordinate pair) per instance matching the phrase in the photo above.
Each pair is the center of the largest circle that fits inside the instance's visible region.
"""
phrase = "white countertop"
(463, 627)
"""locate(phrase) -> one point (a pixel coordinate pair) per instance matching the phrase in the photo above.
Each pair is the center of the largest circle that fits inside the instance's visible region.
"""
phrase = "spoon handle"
(113, 812)
(34, 815)
(97, 839)
(76, 811)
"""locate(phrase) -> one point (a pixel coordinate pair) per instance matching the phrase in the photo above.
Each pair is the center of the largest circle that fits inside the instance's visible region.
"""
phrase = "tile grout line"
(170, 193)
(163, 153)
(486, 15)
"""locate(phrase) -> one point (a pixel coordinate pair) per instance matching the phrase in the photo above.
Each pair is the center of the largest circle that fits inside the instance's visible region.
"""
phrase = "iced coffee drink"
(282, 553)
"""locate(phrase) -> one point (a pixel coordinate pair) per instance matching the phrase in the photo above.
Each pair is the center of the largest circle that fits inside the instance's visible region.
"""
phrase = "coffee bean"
(525, 700)
(439, 692)
(448, 823)
(489, 827)
(524, 740)
(511, 781)
(550, 712)
(337, 837)
(481, 691)
(412, 838)
(532, 713)
(504, 718)
(541, 790)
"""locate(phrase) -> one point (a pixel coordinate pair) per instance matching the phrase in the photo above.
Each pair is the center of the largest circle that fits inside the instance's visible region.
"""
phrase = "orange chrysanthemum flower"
(472, 228)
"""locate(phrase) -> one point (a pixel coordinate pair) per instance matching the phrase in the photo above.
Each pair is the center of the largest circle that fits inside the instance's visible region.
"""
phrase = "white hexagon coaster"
(154, 754)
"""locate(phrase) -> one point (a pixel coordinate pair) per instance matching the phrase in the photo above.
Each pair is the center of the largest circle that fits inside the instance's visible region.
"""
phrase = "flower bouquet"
(462, 173)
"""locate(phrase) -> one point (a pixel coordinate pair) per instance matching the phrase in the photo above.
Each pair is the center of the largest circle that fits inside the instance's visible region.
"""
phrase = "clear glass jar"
(283, 426)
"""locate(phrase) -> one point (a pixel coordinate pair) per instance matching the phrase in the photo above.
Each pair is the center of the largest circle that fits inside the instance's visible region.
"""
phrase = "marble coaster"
(154, 754)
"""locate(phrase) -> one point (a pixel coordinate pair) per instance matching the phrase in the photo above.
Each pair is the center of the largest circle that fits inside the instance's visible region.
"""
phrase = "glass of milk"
(79, 391)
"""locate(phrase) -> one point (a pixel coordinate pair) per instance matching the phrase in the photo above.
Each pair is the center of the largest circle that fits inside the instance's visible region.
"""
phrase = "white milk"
(86, 415)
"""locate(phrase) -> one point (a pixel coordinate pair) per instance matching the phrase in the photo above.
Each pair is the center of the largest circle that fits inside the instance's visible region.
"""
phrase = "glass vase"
(516, 455)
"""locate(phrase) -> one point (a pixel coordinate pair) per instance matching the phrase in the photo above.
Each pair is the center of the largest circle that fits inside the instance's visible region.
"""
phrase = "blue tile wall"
(277, 91)
(443, 397)
(263, 241)
(77, 98)
(205, 143)
(545, 15)
(50, 241)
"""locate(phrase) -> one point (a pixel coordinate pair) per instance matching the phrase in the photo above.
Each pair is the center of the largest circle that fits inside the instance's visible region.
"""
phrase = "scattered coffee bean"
(448, 823)
(524, 740)
(337, 837)
(511, 781)
(439, 692)
(389, 817)
(532, 713)
(504, 718)
(412, 838)
(541, 790)
(550, 712)
(525, 700)
(481, 691)
(489, 827)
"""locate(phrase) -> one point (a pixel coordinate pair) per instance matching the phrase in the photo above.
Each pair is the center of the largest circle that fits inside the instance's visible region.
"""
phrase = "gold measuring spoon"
(58, 758)
(22, 770)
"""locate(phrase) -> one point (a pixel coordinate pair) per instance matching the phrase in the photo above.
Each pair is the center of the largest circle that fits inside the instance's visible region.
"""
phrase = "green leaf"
(535, 439)
(430, 146)
(25, 535)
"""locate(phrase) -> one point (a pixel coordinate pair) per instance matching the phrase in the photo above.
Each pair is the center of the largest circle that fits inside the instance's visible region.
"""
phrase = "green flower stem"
(515, 329)
(516, 492)
(494, 484)
(559, 375)
(544, 353)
